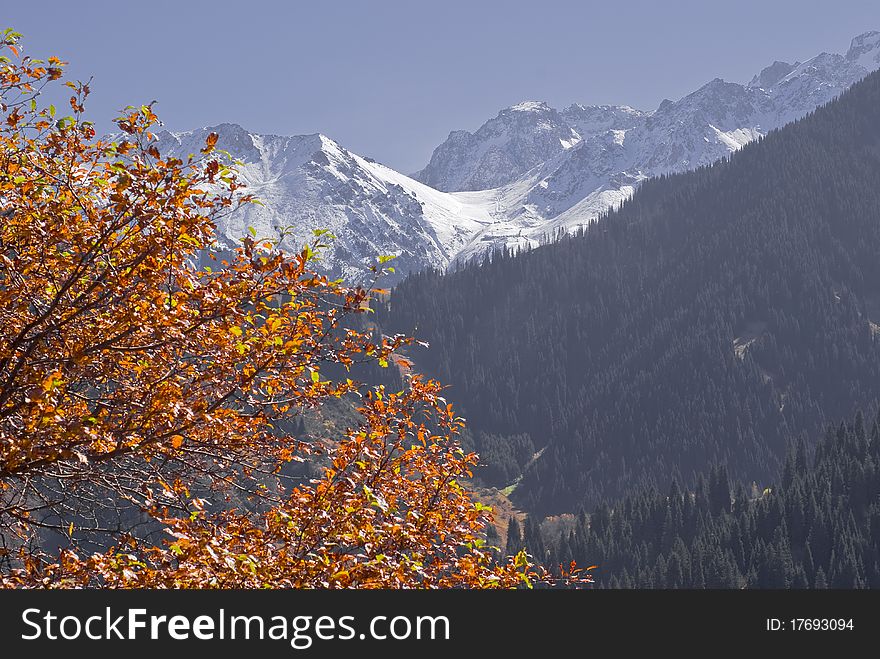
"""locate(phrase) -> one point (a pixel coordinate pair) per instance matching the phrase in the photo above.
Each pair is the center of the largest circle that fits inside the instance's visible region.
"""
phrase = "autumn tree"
(136, 383)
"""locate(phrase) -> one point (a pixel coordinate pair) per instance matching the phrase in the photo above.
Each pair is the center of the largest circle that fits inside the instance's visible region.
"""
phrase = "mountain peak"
(530, 106)
(504, 148)
(543, 170)
(226, 127)
(864, 44)
(325, 141)
(772, 74)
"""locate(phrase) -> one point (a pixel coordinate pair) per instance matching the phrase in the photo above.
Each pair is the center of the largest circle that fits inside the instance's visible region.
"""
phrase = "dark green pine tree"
(820, 582)
(719, 491)
(534, 541)
(514, 541)
(819, 531)
(800, 581)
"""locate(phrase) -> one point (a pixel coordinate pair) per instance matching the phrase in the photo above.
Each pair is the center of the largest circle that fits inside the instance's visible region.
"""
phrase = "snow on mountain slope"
(578, 184)
(591, 120)
(309, 182)
(524, 177)
(518, 139)
(503, 149)
(864, 50)
(772, 74)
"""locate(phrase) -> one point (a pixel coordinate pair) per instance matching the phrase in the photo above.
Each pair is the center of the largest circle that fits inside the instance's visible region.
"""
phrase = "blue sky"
(389, 79)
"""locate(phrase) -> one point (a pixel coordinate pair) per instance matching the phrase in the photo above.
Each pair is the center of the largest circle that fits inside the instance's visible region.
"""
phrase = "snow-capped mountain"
(309, 182)
(580, 182)
(518, 139)
(526, 175)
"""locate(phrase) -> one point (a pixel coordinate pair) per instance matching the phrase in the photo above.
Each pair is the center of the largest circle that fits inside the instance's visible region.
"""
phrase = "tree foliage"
(145, 373)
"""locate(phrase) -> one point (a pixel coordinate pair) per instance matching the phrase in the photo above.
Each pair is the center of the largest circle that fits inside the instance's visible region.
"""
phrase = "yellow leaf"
(52, 381)
(176, 441)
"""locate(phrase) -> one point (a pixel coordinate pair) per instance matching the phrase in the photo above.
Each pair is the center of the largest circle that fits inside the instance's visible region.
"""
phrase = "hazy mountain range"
(716, 318)
(524, 176)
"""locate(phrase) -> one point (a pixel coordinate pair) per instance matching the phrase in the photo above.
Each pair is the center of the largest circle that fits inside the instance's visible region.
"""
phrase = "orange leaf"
(210, 143)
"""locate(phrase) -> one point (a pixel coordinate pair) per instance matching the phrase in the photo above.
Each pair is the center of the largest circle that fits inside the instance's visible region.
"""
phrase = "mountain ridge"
(550, 171)
(593, 176)
(309, 182)
(714, 318)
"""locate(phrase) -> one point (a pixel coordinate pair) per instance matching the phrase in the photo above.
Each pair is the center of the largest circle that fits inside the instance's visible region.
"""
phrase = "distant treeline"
(819, 528)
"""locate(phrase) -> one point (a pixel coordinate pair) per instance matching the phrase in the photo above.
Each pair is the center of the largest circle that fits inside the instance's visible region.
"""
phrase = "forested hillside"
(716, 317)
(820, 528)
